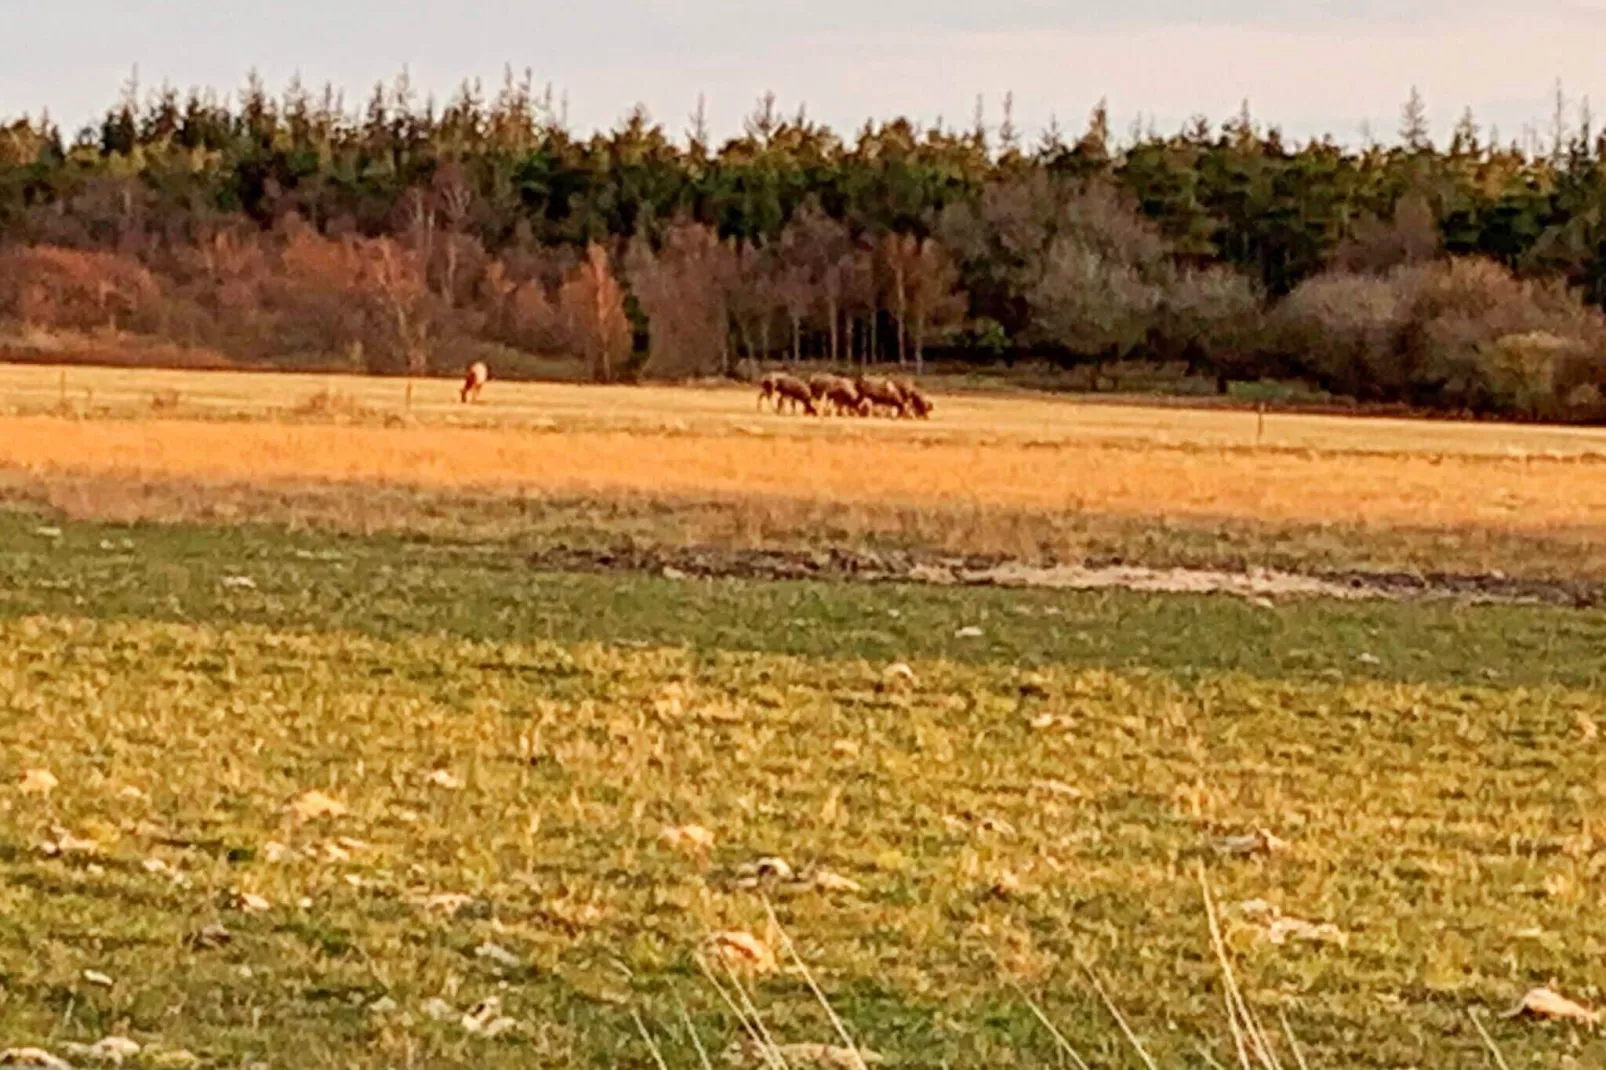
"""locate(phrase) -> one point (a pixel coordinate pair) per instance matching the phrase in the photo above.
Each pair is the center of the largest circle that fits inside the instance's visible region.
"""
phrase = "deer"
(881, 394)
(474, 380)
(781, 389)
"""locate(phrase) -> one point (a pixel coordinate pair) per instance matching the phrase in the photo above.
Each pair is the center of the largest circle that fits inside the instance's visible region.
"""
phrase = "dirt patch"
(870, 566)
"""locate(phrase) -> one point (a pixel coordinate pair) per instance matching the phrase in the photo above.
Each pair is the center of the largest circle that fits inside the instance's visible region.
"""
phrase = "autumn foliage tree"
(411, 236)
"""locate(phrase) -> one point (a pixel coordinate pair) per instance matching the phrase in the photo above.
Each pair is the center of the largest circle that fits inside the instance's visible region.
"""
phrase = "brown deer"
(915, 401)
(881, 394)
(781, 389)
(835, 394)
(843, 399)
(474, 380)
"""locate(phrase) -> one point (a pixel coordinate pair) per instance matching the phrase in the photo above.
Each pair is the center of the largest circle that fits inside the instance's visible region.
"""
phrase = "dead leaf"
(95, 977)
(898, 675)
(1259, 842)
(37, 1057)
(827, 1056)
(826, 881)
(498, 954)
(66, 843)
(845, 748)
(743, 951)
(438, 1010)
(1587, 727)
(443, 779)
(969, 632)
(772, 868)
(106, 1050)
(1005, 884)
(238, 583)
(485, 1019)
(448, 904)
(38, 782)
(1285, 929)
(315, 804)
(210, 936)
(688, 838)
(249, 903)
(1545, 1003)
(996, 826)
(1057, 787)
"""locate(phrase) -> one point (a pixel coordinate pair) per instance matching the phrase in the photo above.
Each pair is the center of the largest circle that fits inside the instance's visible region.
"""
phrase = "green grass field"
(507, 748)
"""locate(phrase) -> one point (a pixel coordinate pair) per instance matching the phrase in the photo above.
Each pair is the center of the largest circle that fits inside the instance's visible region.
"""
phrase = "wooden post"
(64, 388)
(407, 404)
(1260, 422)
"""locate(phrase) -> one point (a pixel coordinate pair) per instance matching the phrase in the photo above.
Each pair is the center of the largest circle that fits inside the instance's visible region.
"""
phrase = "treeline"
(402, 236)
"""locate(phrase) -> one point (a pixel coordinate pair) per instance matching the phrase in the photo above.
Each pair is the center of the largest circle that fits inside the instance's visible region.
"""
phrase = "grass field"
(991, 800)
(1035, 800)
(1002, 475)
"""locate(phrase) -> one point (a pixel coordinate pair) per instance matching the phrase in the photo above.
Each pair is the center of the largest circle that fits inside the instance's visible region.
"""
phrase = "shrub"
(1458, 334)
(51, 286)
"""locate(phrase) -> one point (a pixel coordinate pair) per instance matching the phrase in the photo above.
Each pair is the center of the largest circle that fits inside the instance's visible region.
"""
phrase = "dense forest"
(410, 236)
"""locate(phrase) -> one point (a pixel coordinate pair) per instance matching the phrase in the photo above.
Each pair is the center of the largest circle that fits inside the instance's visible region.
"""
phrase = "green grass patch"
(1035, 802)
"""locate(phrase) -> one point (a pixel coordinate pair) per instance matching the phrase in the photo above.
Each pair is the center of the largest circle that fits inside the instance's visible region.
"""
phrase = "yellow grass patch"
(1195, 483)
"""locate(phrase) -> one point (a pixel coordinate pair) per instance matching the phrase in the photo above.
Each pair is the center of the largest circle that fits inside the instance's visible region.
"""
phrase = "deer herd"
(819, 395)
(833, 395)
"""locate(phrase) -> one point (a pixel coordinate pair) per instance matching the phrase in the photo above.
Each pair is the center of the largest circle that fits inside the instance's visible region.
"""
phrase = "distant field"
(1030, 801)
(1012, 475)
(965, 416)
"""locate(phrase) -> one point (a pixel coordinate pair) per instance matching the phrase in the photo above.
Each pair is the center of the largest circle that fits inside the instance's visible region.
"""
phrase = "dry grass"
(1018, 476)
(1528, 495)
(969, 417)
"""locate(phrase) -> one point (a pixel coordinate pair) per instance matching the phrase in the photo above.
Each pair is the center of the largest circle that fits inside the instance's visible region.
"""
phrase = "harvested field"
(964, 416)
(1180, 504)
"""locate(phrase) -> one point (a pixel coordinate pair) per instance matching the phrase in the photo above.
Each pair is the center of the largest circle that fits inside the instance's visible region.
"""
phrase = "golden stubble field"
(147, 444)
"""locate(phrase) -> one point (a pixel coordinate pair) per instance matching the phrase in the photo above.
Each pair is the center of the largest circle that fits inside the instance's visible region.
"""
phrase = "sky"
(1342, 67)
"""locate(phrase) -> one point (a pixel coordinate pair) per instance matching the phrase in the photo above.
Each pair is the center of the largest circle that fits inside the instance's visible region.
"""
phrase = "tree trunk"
(833, 316)
(920, 344)
(901, 295)
(875, 329)
(797, 338)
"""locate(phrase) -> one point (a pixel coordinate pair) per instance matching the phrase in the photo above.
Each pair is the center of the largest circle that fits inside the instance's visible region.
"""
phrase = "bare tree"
(815, 249)
(684, 289)
(935, 300)
(592, 306)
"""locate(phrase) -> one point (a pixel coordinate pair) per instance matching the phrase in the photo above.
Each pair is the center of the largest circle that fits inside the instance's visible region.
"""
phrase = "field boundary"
(897, 567)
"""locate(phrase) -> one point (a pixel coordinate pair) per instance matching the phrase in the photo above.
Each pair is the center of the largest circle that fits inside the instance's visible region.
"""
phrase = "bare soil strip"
(869, 566)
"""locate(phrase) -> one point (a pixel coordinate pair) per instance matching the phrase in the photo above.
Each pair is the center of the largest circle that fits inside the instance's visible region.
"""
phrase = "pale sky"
(1310, 67)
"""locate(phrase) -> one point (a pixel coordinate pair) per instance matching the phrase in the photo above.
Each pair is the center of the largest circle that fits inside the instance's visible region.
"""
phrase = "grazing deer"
(881, 394)
(474, 380)
(915, 401)
(835, 394)
(781, 389)
(843, 398)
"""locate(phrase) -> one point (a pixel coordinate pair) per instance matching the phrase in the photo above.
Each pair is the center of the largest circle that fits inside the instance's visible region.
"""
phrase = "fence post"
(64, 388)
(407, 402)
